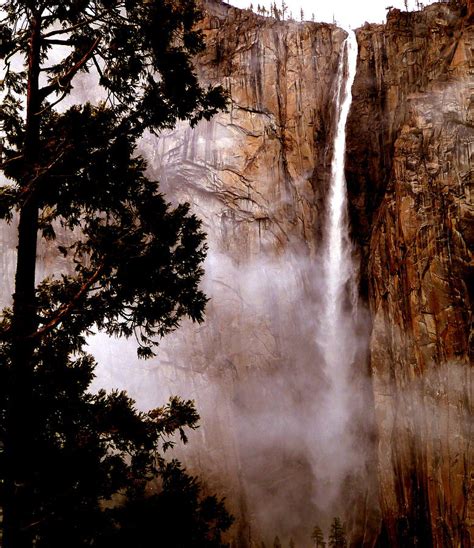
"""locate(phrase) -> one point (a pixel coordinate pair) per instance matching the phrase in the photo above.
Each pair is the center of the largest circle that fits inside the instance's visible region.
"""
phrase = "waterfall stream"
(338, 269)
(338, 312)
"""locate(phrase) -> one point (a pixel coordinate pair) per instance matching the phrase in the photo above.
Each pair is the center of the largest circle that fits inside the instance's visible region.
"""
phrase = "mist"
(270, 418)
(278, 370)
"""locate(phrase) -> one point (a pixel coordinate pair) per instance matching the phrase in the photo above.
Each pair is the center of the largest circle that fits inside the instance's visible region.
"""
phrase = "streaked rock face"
(413, 211)
(258, 177)
(263, 165)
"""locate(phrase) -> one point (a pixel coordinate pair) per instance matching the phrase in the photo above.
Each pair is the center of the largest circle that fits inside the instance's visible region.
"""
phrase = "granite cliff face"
(258, 176)
(411, 185)
(265, 164)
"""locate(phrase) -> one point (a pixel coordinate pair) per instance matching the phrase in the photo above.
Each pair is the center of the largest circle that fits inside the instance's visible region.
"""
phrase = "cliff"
(265, 164)
(410, 173)
(258, 176)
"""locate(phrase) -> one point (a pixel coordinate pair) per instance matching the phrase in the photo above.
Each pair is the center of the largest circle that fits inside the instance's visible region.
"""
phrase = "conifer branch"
(76, 26)
(67, 308)
(65, 79)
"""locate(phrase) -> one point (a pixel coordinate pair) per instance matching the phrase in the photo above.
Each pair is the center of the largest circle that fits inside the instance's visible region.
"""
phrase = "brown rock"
(412, 209)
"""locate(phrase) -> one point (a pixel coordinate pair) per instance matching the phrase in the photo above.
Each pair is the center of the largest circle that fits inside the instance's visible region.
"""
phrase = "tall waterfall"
(337, 332)
(338, 268)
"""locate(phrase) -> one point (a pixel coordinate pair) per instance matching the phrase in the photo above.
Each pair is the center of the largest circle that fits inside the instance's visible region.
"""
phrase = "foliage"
(337, 535)
(317, 537)
(277, 542)
(77, 467)
(176, 516)
(94, 448)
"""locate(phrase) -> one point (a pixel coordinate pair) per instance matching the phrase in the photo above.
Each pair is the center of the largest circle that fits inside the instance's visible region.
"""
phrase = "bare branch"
(63, 80)
(10, 160)
(58, 42)
(74, 27)
(67, 308)
(89, 21)
(8, 58)
(52, 105)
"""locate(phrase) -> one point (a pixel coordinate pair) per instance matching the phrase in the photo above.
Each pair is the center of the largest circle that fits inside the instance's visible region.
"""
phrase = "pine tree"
(337, 535)
(317, 537)
(292, 543)
(277, 14)
(135, 263)
(277, 542)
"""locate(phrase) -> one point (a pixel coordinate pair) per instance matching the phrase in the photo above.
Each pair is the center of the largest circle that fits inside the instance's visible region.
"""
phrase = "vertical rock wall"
(257, 176)
(411, 170)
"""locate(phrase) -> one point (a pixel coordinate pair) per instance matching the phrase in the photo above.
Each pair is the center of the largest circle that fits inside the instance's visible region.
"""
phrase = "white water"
(337, 336)
(338, 267)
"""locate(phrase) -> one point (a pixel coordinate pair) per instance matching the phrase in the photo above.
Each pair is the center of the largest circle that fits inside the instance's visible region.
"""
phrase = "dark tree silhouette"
(134, 262)
(317, 537)
(337, 535)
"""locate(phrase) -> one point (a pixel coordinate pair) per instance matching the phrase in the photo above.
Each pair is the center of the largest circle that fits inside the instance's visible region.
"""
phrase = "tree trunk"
(20, 433)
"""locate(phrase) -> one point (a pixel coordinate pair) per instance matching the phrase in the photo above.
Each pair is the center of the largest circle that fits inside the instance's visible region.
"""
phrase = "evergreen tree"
(337, 535)
(277, 543)
(292, 543)
(277, 14)
(317, 537)
(69, 459)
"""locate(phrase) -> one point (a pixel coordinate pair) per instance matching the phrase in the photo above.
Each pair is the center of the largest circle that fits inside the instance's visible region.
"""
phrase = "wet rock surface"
(257, 176)
(411, 187)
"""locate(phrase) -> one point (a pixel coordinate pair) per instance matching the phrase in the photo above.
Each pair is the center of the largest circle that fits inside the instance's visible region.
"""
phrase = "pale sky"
(348, 13)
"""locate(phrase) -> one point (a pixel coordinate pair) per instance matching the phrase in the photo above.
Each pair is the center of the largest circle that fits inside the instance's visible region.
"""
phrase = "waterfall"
(339, 272)
(337, 331)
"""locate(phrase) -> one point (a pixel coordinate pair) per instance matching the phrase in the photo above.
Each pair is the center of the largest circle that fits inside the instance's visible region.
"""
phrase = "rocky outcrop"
(410, 171)
(264, 165)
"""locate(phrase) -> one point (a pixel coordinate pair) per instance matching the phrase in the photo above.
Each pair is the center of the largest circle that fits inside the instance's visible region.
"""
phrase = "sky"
(348, 13)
